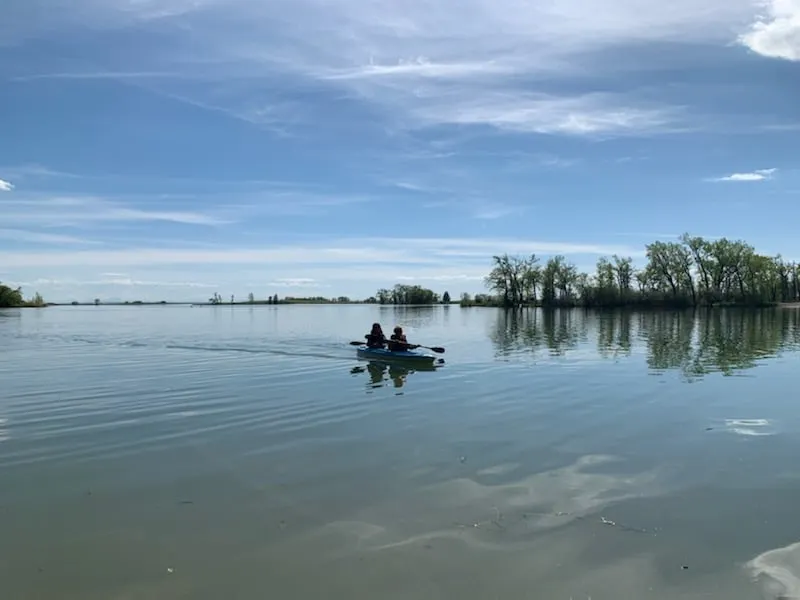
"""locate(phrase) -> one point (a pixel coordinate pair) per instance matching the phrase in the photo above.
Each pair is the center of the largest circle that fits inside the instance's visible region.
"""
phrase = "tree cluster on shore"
(13, 298)
(407, 295)
(691, 272)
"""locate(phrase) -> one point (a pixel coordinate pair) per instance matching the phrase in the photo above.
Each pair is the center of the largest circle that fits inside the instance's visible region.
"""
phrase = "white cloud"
(757, 175)
(428, 64)
(20, 235)
(540, 113)
(420, 68)
(367, 251)
(112, 282)
(101, 75)
(442, 278)
(26, 171)
(776, 34)
(6, 186)
(493, 211)
(295, 282)
(127, 282)
(70, 210)
(421, 62)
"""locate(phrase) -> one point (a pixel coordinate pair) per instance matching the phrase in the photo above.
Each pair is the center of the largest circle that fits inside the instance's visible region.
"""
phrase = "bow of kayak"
(404, 355)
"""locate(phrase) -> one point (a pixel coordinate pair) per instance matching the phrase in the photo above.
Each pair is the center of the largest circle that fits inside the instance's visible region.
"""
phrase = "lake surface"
(245, 452)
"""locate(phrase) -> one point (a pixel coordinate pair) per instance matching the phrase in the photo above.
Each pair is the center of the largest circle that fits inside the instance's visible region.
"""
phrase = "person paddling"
(398, 341)
(375, 338)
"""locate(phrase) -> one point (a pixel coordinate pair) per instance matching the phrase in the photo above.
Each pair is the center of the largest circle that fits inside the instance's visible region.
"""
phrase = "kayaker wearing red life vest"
(375, 338)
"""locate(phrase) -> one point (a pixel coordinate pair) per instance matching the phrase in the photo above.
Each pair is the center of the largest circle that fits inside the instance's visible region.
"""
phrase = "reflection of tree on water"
(410, 316)
(380, 373)
(536, 329)
(723, 340)
(613, 334)
(696, 341)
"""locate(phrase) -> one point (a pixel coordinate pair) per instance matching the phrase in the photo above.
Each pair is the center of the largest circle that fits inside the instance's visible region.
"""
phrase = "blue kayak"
(403, 355)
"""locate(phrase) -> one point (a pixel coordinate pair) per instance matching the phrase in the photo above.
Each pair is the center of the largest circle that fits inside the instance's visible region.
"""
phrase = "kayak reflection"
(382, 372)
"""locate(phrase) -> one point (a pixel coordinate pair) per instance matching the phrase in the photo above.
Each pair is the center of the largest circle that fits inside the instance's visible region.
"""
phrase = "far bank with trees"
(691, 272)
(13, 298)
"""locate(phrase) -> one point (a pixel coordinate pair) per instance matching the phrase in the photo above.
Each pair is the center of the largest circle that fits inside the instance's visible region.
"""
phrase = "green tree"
(10, 297)
(13, 298)
(446, 297)
(37, 300)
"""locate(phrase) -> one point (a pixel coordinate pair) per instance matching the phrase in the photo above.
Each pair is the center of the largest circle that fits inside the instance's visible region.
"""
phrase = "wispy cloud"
(476, 66)
(296, 282)
(129, 282)
(492, 211)
(21, 235)
(297, 202)
(547, 114)
(77, 210)
(442, 278)
(420, 62)
(403, 251)
(420, 67)
(26, 171)
(757, 175)
(776, 34)
(112, 281)
(6, 186)
(413, 187)
(102, 75)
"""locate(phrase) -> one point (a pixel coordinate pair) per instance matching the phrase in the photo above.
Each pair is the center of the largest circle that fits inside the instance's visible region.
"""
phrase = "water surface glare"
(176, 452)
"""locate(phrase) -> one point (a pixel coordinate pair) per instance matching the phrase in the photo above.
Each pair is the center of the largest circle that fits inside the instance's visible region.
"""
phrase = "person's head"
(376, 329)
(398, 330)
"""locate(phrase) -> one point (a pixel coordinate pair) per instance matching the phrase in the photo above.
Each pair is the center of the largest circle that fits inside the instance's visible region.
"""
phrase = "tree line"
(691, 272)
(13, 298)
(408, 294)
(251, 299)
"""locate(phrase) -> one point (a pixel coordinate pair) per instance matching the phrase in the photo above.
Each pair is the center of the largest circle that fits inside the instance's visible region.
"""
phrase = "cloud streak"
(125, 282)
(296, 282)
(402, 251)
(81, 210)
(21, 235)
(6, 186)
(757, 175)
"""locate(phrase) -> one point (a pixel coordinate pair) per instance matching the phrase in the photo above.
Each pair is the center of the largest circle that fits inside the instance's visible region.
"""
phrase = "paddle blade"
(357, 343)
(438, 349)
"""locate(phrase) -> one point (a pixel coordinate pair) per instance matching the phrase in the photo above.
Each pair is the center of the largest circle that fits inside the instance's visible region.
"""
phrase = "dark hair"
(398, 329)
(376, 326)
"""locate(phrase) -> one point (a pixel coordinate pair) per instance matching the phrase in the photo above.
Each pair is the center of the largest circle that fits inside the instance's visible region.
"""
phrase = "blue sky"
(168, 149)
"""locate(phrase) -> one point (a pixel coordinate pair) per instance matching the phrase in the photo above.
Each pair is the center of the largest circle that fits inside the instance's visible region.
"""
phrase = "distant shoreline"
(244, 303)
(791, 305)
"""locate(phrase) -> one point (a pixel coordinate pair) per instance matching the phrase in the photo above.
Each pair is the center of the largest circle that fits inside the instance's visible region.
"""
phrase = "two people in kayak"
(396, 343)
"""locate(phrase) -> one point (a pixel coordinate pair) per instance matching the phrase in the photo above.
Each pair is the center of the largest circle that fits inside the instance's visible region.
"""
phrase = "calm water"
(246, 453)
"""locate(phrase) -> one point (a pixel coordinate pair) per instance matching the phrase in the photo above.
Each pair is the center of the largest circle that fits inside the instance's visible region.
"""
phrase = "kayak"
(403, 355)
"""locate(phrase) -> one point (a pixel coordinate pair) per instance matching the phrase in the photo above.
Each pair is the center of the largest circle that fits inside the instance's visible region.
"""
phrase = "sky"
(171, 149)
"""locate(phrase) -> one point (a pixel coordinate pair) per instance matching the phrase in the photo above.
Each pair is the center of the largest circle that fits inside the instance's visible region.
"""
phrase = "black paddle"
(437, 349)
